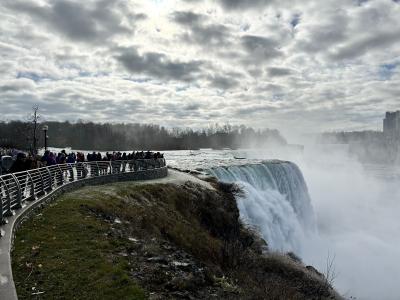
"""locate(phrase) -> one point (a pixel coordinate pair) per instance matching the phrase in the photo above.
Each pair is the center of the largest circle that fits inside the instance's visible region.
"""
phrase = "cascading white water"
(275, 201)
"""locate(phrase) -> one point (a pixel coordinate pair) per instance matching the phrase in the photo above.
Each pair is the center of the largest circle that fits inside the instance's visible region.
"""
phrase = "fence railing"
(17, 188)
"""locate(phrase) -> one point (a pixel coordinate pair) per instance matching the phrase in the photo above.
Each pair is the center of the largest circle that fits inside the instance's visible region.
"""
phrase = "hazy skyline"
(304, 65)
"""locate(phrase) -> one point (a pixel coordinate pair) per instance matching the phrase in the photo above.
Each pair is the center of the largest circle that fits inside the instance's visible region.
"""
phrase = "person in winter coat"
(19, 164)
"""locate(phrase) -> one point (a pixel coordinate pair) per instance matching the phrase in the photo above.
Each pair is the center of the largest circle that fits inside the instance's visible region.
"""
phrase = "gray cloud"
(322, 36)
(279, 72)
(351, 31)
(198, 32)
(254, 110)
(78, 21)
(245, 4)
(158, 65)
(17, 85)
(240, 4)
(223, 82)
(358, 47)
(187, 18)
(259, 49)
(192, 106)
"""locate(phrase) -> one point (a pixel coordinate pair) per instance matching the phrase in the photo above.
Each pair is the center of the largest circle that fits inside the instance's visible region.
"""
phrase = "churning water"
(275, 200)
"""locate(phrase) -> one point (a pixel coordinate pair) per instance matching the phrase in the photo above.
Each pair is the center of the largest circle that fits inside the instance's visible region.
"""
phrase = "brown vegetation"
(158, 241)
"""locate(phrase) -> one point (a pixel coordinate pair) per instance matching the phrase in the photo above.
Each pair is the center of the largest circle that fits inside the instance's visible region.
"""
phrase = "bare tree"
(33, 119)
(330, 271)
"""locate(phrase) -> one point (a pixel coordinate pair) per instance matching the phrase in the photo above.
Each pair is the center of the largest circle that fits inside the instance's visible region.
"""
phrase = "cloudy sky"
(305, 65)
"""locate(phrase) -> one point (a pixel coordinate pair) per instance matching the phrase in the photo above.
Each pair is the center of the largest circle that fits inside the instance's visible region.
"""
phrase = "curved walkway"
(16, 216)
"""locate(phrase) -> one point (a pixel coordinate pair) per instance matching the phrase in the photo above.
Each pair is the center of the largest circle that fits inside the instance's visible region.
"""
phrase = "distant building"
(391, 125)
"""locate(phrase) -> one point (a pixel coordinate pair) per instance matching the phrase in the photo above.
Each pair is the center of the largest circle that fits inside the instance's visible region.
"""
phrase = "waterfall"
(275, 201)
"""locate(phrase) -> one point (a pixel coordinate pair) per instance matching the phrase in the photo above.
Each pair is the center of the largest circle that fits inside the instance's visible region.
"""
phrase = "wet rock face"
(168, 272)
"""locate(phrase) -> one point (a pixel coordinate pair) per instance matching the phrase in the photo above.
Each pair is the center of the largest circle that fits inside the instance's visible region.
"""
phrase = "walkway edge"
(7, 286)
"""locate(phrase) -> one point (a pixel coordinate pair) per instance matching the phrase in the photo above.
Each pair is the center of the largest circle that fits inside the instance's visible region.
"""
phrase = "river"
(355, 207)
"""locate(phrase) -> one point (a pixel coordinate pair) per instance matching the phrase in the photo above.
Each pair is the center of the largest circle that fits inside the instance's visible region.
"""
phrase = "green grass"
(65, 253)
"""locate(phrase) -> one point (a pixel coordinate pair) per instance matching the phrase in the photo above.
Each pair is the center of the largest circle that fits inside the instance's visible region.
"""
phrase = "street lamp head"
(45, 127)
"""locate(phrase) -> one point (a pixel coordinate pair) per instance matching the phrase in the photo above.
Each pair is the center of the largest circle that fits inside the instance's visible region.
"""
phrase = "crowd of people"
(22, 161)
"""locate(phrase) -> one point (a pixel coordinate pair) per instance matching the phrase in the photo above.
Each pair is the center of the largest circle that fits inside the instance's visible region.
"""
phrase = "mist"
(357, 210)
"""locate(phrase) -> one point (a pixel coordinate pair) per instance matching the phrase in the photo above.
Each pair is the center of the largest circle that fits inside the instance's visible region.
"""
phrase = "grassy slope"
(64, 253)
(72, 250)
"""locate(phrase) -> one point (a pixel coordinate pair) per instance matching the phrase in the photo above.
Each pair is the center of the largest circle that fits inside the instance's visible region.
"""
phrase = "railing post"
(61, 181)
(97, 169)
(90, 164)
(43, 191)
(32, 191)
(79, 173)
(82, 172)
(90, 168)
(85, 169)
(71, 171)
(50, 180)
(19, 192)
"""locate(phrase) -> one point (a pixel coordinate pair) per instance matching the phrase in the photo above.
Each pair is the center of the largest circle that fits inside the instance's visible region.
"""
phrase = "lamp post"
(45, 128)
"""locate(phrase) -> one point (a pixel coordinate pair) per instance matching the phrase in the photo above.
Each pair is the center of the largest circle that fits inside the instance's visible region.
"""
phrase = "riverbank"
(177, 238)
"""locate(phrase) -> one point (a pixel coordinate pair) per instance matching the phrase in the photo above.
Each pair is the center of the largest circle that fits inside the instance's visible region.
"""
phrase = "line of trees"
(105, 137)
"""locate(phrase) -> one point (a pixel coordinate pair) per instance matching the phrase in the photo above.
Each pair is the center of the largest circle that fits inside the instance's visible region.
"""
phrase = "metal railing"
(17, 188)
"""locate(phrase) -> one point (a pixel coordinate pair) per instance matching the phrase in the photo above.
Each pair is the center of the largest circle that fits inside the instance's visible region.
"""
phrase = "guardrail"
(18, 188)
